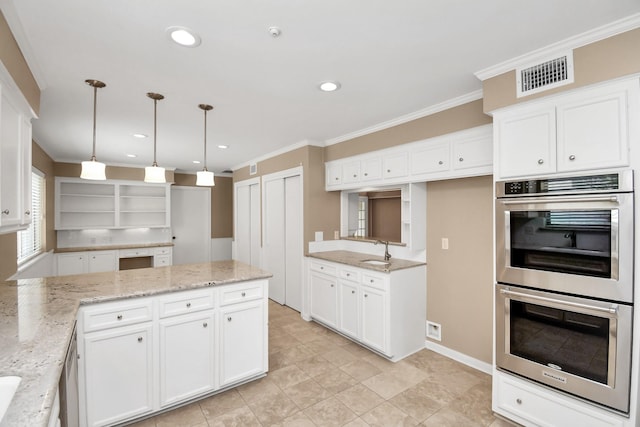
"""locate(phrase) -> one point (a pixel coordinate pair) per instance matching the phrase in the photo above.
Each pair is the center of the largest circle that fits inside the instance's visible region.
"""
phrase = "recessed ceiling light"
(223, 146)
(139, 135)
(184, 36)
(329, 86)
(197, 162)
(132, 155)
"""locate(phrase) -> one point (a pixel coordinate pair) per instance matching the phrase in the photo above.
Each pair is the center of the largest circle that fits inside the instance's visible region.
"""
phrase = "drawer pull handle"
(229, 319)
(204, 325)
(366, 295)
(354, 175)
(366, 174)
(353, 292)
(332, 285)
(27, 212)
(119, 317)
(388, 170)
(572, 157)
(243, 294)
(540, 161)
(6, 211)
(461, 159)
(519, 401)
(371, 280)
(440, 162)
(139, 339)
(348, 274)
(337, 178)
(188, 305)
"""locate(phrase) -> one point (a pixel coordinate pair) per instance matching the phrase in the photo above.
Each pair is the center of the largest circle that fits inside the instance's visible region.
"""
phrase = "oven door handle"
(611, 310)
(586, 199)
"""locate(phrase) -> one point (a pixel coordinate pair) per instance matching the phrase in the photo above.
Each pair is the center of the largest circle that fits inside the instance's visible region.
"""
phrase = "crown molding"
(628, 23)
(11, 15)
(300, 144)
(454, 102)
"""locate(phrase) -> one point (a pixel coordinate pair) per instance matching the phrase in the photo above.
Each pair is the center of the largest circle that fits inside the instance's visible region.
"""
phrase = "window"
(363, 203)
(30, 241)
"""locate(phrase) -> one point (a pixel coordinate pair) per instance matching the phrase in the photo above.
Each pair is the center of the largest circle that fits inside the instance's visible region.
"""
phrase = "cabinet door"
(396, 166)
(351, 172)
(593, 133)
(348, 308)
(102, 261)
(118, 374)
(430, 159)
(472, 153)
(333, 175)
(72, 263)
(186, 356)
(25, 172)
(324, 298)
(526, 142)
(10, 166)
(371, 169)
(242, 342)
(375, 318)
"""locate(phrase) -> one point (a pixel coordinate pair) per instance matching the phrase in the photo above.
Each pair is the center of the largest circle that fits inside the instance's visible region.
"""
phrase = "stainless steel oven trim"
(615, 394)
(621, 288)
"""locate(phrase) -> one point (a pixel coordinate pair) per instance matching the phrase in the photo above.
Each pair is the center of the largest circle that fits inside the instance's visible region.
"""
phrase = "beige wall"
(321, 208)
(14, 61)
(458, 118)
(607, 59)
(221, 203)
(460, 279)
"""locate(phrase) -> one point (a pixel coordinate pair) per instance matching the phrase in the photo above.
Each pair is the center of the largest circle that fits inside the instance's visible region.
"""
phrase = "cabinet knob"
(572, 157)
(229, 319)
(388, 170)
(540, 161)
(440, 162)
(119, 317)
(519, 401)
(461, 159)
(188, 305)
(205, 324)
(353, 292)
(243, 294)
(366, 295)
(371, 280)
(6, 211)
(27, 212)
(348, 274)
(354, 175)
(139, 339)
(366, 174)
(332, 285)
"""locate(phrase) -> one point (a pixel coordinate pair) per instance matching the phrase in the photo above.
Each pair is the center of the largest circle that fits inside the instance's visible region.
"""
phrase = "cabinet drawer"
(351, 275)
(185, 302)
(162, 251)
(323, 268)
(132, 253)
(111, 315)
(374, 281)
(236, 294)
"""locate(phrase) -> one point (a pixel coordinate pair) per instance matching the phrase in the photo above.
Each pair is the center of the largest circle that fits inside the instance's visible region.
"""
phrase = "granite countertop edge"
(53, 304)
(355, 259)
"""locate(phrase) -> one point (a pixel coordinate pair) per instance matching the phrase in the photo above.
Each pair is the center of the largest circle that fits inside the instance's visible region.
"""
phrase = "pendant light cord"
(205, 139)
(155, 114)
(95, 104)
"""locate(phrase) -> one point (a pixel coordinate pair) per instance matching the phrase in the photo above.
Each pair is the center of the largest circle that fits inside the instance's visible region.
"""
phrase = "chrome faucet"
(387, 255)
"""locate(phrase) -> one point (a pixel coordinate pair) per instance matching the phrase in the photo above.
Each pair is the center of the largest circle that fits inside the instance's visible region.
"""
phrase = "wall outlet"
(319, 236)
(434, 331)
(336, 235)
(445, 243)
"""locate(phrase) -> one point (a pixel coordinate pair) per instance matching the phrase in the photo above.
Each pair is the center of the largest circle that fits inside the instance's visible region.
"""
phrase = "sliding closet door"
(247, 222)
(293, 242)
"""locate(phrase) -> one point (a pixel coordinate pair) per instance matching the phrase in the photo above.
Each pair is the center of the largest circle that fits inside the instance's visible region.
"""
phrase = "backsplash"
(107, 237)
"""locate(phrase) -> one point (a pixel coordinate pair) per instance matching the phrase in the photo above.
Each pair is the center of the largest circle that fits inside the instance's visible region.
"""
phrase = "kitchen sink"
(375, 262)
(8, 387)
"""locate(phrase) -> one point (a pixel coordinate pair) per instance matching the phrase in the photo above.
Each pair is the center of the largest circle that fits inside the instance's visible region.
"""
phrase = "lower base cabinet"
(142, 355)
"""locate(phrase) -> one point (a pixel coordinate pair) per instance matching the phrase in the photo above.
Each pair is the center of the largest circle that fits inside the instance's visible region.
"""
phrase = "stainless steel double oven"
(564, 298)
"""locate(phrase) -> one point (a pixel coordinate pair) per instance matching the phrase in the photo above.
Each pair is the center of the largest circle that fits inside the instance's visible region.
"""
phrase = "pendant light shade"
(92, 169)
(204, 178)
(154, 173)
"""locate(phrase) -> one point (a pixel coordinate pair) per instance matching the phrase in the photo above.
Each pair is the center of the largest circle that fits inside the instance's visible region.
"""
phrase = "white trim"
(485, 367)
(600, 33)
(278, 152)
(454, 102)
(15, 25)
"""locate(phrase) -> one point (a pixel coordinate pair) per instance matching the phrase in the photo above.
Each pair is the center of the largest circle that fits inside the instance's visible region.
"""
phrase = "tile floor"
(318, 378)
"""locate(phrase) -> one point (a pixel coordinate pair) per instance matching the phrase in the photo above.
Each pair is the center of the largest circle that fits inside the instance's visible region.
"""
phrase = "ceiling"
(392, 58)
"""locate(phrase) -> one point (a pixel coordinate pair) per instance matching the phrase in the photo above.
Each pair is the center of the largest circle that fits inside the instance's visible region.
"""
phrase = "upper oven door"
(582, 245)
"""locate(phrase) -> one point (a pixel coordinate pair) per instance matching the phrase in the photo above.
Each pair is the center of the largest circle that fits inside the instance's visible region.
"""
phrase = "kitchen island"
(38, 318)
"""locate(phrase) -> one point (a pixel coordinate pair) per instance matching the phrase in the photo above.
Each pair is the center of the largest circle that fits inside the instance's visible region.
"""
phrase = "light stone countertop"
(37, 317)
(356, 259)
(110, 247)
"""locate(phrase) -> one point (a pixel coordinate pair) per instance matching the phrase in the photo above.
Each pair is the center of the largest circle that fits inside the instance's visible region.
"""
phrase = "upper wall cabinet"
(84, 204)
(15, 157)
(585, 129)
(455, 155)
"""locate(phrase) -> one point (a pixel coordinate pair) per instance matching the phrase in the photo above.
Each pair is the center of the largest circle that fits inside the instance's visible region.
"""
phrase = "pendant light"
(204, 177)
(93, 169)
(154, 173)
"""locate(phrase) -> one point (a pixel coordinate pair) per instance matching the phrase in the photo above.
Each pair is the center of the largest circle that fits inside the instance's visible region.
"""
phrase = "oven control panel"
(521, 187)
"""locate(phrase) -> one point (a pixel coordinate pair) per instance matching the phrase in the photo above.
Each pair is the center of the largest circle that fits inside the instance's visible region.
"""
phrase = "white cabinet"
(324, 293)
(86, 262)
(431, 158)
(384, 311)
(15, 160)
(333, 174)
(162, 257)
(395, 165)
(111, 204)
(585, 129)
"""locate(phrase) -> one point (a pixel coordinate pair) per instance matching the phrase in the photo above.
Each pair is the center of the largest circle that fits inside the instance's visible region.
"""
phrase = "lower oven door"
(576, 345)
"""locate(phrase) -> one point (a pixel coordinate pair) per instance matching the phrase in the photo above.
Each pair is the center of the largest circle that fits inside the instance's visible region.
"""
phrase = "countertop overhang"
(356, 259)
(38, 317)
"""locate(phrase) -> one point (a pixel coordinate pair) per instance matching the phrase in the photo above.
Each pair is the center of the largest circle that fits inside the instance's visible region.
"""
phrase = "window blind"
(30, 241)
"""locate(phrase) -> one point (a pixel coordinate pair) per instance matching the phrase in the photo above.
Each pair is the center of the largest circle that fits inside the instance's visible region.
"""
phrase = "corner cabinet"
(585, 129)
(15, 157)
(455, 155)
(139, 356)
(111, 204)
(385, 312)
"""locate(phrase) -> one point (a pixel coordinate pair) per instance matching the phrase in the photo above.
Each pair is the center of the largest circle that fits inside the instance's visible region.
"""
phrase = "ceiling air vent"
(546, 75)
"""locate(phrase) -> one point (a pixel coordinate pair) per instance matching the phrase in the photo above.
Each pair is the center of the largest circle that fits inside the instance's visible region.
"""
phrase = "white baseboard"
(459, 357)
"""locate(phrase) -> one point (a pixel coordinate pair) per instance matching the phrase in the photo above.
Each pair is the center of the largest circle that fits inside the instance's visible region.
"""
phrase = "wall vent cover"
(253, 169)
(546, 75)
